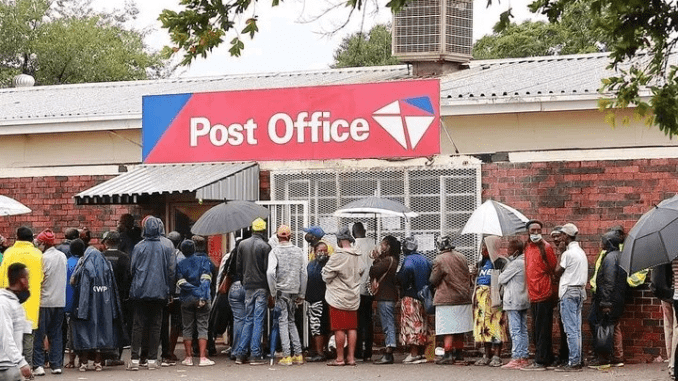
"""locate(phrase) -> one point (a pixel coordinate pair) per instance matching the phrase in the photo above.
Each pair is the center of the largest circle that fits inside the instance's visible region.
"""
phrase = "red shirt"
(537, 274)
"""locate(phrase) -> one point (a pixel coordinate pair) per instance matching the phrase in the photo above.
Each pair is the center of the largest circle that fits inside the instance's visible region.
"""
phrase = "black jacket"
(611, 286)
(252, 262)
(661, 284)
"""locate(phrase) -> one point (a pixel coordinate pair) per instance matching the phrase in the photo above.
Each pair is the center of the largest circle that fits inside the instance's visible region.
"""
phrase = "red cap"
(47, 236)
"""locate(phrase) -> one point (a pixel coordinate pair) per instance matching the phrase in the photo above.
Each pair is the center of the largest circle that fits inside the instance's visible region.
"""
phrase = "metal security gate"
(443, 196)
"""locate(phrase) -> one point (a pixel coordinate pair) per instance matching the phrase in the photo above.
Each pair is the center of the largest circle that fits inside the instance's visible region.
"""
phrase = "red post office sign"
(376, 120)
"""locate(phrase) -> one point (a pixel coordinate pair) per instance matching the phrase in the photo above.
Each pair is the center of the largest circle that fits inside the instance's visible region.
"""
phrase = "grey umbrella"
(11, 207)
(375, 206)
(652, 241)
(228, 217)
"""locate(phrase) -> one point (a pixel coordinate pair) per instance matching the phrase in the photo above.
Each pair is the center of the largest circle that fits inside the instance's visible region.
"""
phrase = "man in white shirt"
(572, 268)
(13, 325)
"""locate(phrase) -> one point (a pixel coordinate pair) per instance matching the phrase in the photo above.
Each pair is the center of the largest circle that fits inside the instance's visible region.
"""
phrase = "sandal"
(69, 365)
(336, 363)
(98, 367)
(351, 363)
(83, 367)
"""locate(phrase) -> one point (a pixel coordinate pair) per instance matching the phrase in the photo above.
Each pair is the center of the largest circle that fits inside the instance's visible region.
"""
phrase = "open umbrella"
(228, 216)
(652, 240)
(375, 206)
(10, 207)
(495, 218)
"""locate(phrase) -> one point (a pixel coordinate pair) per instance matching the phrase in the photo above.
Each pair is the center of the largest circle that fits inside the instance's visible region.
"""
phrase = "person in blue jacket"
(412, 277)
(194, 276)
(97, 315)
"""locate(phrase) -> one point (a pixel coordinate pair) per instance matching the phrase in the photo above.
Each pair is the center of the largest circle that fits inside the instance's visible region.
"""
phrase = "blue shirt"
(484, 273)
(414, 274)
(194, 276)
(70, 267)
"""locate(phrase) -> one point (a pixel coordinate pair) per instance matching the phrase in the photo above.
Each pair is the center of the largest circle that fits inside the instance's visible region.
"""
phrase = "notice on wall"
(427, 242)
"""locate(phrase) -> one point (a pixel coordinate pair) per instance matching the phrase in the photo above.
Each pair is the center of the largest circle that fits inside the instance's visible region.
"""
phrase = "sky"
(288, 38)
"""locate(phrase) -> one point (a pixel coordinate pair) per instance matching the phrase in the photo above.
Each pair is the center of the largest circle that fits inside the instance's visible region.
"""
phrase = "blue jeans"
(387, 318)
(50, 324)
(570, 312)
(256, 302)
(289, 335)
(519, 337)
(236, 298)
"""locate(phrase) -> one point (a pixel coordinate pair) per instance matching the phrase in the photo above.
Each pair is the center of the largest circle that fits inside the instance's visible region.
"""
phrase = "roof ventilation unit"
(435, 35)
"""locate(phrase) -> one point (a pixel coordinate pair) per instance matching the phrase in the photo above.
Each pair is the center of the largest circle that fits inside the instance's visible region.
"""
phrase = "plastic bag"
(425, 295)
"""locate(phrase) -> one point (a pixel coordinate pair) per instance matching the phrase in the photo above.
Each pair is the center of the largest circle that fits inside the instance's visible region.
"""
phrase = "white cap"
(570, 229)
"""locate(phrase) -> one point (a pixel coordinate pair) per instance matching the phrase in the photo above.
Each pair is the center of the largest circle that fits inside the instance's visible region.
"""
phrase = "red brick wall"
(594, 195)
(53, 206)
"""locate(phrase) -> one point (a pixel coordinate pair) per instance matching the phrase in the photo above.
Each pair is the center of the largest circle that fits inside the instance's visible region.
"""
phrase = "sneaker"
(39, 371)
(167, 362)
(513, 364)
(600, 366)
(482, 361)
(496, 362)
(152, 364)
(569, 368)
(617, 363)
(56, 371)
(534, 367)
(286, 361)
(143, 363)
(205, 362)
(133, 365)
(411, 359)
(258, 361)
(298, 360)
(188, 361)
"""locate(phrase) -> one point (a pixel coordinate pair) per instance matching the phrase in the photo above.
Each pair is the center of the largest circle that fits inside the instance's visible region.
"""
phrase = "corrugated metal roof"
(213, 181)
(124, 98)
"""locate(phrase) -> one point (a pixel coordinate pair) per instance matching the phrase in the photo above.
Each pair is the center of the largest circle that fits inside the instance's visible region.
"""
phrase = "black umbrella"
(228, 217)
(652, 241)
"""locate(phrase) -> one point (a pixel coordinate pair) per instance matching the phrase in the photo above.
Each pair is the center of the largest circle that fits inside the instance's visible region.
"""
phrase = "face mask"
(23, 295)
(535, 237)
(322, 258)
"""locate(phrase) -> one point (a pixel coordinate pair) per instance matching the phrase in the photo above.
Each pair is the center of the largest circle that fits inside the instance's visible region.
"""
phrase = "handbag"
(373, 285)
(425, 295)
(496, 291)
(225, 284)
(604, 339)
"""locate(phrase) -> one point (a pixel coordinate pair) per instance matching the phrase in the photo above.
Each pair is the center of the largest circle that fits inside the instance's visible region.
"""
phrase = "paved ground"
(226, 369)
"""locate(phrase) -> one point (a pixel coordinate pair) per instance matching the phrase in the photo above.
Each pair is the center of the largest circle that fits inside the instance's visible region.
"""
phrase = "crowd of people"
(144, 288)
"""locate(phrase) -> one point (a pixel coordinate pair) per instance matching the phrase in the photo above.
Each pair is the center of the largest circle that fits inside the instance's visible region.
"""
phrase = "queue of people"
(95, 303)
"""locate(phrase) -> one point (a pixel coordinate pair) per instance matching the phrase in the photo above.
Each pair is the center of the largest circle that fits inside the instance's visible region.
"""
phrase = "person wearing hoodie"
(194, 275)
(608, 300)
(97, 315)
(152, 270)
(13, 365)
(342, 275)
(287, 280)
(516, 303)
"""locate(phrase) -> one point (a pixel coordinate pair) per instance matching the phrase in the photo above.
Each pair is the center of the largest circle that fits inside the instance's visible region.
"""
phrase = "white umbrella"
(10, 207)
(495, 218)
(375, 206)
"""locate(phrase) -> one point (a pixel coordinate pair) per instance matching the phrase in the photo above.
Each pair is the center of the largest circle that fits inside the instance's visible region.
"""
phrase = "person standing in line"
(540, 265)
(489, 327)
(97, 317)
(384, 272)
(516, 303)
(23, 251)
(194, 275)
(130, 234)
(76, 251)
(318, 310)
(52, 303)
(287, 280)
(364, 246)
(252, 263)
(120, 263)
(342, 274)
(412, 277)
(65, 246)
(609, 299)
(152, 271)
(451, 279)
(563, 353)
(661, 285)
(13, 365)
(572, 268)
(236, 294)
